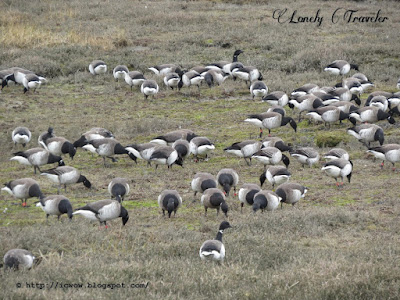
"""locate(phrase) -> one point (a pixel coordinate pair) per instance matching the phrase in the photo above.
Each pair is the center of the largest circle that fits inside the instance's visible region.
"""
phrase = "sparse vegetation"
(340, 243)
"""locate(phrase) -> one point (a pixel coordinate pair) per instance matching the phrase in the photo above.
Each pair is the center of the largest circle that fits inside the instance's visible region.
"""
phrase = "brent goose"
(97, 67)
(65, 175)
(21, 135)
(291, 192)
(118, 188)
(37, 157)
(228, 178)
(56, 205)
(170, 201)
(214, 198)
(23, 189)
(18, 258)
(246, 194)
(339, 168)
(266, 200)
(215, 249)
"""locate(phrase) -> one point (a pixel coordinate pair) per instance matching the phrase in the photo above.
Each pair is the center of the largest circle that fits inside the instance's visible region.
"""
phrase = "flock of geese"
(321, 104)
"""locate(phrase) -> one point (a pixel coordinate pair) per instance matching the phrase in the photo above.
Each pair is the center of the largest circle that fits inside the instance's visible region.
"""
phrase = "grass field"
(338, 243)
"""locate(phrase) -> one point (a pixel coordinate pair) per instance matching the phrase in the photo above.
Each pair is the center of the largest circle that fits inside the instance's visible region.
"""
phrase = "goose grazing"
(118, 188)
(344, 94)
(166, 155)
(275, 175)
(134, 78)
(245, 149)
(305, 89)
(103, 211)
(271, 156)
(291, 192)
(170, 201)
(212, 77)
(37, 157)
(247, 73)
(18, 258)
(378, 101)
(44, 136)
(215, 199)
(270, 120)
(164, 69)
(21, 135)
(246, 194)
(31, 81)
(273, 141)
(338, 168)
(66, 175)
(367, 133)
(106, 147)
(120, 72)
(93, 134)
(278, 98)
(141, 151)
(6, 76)
(56, 205)
(365, 82)
(258, 89)
(345, 106)
(170, 137)
(191, 78)
(336, 153)
(182, 147)
(200, 145)
(203, 181)
(23, 189)
(340, 67)
(215, 249)
(266, 200)
(149, 88)
(305, 103)
(171, 80)
(228, 178)
(97, 67)
(306, 155)
(328, 114)
(221, 65)
(389, 152)
(353, 85)
(59, 146)
(326, 98)
(370, 114)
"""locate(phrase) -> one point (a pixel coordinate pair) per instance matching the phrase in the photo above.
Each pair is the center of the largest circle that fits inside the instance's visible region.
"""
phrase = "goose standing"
(305, 89)
(191, 78)
(258, 89)
(141, 151)
(23, 189)
(215, 249)
(336, 153)
(246, 194)
(291, 192)
(247, 73)
(221, 65)
(120, 72)
(228, 178)
(305, 103)
(66, 175)
(367, 133)
(182, 147)
(270, 120)
(170, 137)
(277, 98)
(277, 142)
(103, 211)
(266, 200)
(149, 88)
(21, 135)
(118, 188)
(93, 134)
(200, 145)
(31, 81)
(37, 157)
(18, 258)
(59, 146)
(214, 198)
(339, 168)
(370, 114)
(134, 78)
(166, 155)
(212, 77)
(171, 80)
(275, 175)
(245, 149)
(271, 156)
(203, 181)
(328, 114)
(97, 67)
(106, 147)
(170, 201)
(164, 69)
(340, 67)
(344, 94)
(56, 205)
(306, 155)
(389, 152)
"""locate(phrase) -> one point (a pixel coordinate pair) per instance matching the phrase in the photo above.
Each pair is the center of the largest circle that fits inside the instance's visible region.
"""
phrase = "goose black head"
(124, 215)
(356, 99)
(82, 141)
(285, 160)
(354, 67)
(170, 206)
(379, 136)
(262, 178)
(224, 225)
(224, 208)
